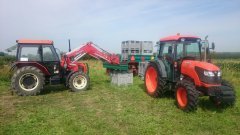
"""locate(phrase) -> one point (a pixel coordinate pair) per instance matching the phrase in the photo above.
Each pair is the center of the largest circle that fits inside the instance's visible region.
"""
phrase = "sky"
(109, 22)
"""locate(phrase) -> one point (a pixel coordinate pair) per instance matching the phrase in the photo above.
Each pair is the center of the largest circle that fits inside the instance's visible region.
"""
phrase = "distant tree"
(226, 55)
(2, 53)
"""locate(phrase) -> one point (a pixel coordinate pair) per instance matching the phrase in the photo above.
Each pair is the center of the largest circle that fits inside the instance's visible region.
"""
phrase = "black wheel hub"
(28, 81)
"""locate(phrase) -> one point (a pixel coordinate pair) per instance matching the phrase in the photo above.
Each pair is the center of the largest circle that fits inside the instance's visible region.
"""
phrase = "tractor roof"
(176, 37)
(29, 41)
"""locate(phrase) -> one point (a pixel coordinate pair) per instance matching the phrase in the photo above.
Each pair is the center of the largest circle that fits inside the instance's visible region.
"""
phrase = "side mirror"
(213, 46)
(203, 44)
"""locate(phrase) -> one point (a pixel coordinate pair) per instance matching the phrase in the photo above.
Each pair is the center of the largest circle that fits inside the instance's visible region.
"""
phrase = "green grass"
(107, 109)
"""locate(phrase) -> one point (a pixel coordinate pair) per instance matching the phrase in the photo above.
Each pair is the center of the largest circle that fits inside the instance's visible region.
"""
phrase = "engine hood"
(201, 64)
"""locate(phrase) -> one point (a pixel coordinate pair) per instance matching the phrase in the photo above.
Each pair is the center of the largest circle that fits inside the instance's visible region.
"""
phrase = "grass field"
(107, 109)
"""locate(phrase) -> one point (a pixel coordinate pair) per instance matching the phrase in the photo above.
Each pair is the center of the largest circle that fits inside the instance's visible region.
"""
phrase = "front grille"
(208, 80)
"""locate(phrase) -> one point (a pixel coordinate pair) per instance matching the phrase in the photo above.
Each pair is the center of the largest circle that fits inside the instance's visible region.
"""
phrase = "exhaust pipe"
(69, 46)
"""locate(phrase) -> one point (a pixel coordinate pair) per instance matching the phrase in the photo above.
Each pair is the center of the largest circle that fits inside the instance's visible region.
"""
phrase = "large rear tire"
(79, 81)
(186, 96)
(154, 84)
(27, 81)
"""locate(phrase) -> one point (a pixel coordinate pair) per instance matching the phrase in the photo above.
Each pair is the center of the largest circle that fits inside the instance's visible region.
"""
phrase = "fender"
(85, 70)
(34, 64)
(69, 75)
(161, 68)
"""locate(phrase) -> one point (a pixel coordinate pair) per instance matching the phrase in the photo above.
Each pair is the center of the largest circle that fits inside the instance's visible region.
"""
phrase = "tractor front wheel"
(186, 95)
(79, 81)
(27, 81)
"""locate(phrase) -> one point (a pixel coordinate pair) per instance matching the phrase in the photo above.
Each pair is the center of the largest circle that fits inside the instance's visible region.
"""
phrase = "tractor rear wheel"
(154, 84)
(186, 95)
(27, 81)
(79, 81)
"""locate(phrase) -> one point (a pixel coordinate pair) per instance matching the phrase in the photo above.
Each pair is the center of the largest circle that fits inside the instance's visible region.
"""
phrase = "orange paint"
(29, 41)
(176, 37)
(182, 97)
(188, 68)
(151, 79)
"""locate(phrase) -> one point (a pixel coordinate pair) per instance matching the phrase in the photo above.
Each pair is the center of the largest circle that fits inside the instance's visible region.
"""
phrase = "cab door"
(50, 59)
(167, 56)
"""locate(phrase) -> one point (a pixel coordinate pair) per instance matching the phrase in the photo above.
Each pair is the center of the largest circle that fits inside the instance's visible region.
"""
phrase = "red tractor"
(181, 67)
(38, 63)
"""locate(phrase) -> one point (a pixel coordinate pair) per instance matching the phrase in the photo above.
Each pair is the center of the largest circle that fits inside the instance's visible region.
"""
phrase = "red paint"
(34, 64)
(132, 58)
(188, 68)
(30, 41)
(176, 37)
(90, 49)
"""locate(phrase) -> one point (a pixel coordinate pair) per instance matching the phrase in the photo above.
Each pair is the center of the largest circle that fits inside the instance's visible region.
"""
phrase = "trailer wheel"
(27, 81)
(79, 81)
(154, 84)
(186, 96)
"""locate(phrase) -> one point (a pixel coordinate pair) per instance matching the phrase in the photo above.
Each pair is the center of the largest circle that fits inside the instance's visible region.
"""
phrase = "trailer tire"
(79, 81)
(27, 81)
(154, 84)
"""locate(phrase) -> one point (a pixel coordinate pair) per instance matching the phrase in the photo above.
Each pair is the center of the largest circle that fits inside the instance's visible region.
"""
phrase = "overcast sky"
(108, 22)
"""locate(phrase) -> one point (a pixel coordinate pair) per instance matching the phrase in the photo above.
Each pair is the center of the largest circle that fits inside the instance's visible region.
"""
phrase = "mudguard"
(34, 64)
(161, 68)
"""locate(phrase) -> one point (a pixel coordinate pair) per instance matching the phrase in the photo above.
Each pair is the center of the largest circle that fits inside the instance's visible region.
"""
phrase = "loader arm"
(92, 50)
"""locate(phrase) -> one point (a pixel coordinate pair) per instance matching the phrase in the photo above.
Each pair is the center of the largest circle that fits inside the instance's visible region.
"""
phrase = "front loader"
(38, 63)
(181, 67)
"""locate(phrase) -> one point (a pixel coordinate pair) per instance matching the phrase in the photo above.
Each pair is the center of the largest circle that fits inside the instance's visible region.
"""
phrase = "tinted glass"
(48, 54)
(30, 53)
(192, 49)
(180, 51)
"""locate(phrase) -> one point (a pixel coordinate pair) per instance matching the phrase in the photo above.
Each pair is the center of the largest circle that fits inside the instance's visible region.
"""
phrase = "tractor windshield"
(188, 50)
(192, 49)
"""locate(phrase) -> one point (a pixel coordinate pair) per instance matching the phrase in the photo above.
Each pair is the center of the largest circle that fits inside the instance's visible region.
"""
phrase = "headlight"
(219, 73)
(208, 73)
(211, 74)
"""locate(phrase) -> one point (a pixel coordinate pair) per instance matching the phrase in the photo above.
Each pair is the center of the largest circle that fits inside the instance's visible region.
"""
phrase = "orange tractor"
(181, 67)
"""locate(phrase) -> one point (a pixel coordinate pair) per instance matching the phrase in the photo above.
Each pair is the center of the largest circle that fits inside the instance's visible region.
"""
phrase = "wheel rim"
(28, 81)
(182, 97)
(79, 82)
(151, 79)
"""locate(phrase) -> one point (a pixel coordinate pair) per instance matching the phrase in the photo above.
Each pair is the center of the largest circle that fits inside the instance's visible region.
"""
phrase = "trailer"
(132, 54)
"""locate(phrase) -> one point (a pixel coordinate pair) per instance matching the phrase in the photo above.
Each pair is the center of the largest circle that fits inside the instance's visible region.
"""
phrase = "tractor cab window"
(193, 49)
(180, 52)
(188, 49)
(29, 53)
(49, 54)
(167, 51)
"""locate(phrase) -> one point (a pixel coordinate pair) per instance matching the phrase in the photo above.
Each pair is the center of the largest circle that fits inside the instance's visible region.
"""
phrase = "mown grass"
(108, 109)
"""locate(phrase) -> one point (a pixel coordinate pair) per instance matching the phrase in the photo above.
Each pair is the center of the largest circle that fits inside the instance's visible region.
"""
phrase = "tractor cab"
(40, 53)
(174, 49)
